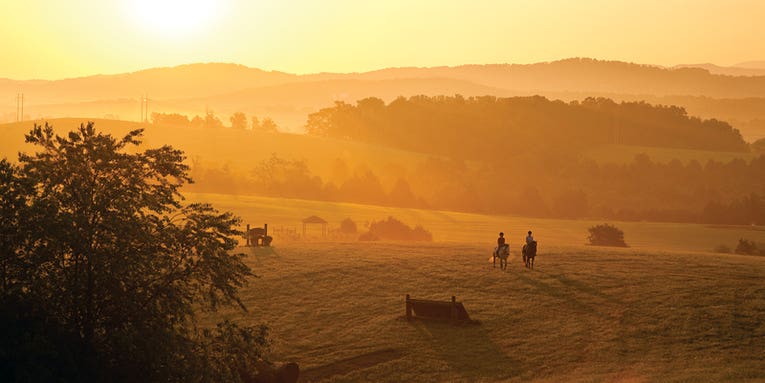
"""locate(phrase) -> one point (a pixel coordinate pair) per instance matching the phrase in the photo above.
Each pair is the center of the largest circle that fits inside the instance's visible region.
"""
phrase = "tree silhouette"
(238, 120)
(606, 235)
(112, 266)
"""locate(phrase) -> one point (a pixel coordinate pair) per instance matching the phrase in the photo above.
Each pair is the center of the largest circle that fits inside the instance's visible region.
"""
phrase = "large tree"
(98, 249)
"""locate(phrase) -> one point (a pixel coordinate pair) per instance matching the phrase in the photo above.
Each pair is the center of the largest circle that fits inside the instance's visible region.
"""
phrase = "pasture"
(583, 314)
(663, 310)
(478, 229)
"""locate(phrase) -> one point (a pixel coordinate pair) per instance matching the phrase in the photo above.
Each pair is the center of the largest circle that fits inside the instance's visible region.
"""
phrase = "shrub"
(747, 247)
(395, 230)
(347, 226)
(606, 235)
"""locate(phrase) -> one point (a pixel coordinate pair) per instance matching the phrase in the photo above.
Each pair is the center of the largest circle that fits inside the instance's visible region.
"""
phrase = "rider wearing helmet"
(529, 238)
(500, 242)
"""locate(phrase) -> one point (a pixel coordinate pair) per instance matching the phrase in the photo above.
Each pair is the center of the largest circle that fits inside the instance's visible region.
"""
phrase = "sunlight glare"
(173, 18)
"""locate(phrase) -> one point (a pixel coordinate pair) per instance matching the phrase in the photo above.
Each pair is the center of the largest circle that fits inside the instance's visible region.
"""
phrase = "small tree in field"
(606, 235)
(103, 268)
(747, 247)
(347, 226)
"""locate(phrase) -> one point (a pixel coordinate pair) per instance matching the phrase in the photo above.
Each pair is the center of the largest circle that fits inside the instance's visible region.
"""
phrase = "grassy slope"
(584, 314)
(660, 311)
(449, 226)
(242, 150)
(239, 149)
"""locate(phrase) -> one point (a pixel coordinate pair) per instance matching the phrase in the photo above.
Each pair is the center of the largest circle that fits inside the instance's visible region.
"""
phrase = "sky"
(53, 39)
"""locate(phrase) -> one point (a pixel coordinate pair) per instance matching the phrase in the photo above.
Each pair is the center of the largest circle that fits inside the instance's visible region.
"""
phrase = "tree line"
(491, 128)
(556, 187)
(238, 120)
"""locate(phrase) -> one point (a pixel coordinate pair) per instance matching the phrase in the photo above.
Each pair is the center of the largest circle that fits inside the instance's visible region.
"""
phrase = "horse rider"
(529, 238)
(500, 242)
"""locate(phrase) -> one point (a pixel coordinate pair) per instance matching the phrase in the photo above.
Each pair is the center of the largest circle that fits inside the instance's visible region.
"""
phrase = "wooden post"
(265, 230)
(454, 309)
(408, 308)
(247, 236)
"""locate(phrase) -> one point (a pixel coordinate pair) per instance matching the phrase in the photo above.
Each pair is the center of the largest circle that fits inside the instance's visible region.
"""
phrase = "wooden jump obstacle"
(453, 311)
(257, 236)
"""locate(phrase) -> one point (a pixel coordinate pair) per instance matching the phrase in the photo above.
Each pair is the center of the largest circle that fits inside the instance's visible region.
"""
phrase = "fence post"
(247, 236)
(408, 308)
(454, 309)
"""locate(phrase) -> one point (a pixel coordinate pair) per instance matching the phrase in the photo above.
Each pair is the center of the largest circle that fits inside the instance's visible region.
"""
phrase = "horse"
(529, 252)
(502, 254)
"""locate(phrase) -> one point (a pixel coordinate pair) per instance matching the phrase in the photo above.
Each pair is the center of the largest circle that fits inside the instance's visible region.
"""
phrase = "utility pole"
(19, 107)
(145, 107)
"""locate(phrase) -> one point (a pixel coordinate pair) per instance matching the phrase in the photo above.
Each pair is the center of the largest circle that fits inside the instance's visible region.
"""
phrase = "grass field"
(623, 154)
(666, 309)
(663, 310)
(240, 150)
(448, 226)
(584, 314)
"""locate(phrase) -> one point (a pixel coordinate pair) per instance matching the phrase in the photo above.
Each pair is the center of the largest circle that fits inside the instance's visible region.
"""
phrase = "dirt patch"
(344, 366)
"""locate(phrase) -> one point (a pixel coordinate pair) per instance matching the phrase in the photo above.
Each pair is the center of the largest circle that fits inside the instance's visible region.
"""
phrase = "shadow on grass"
(561, 293)
(259, 251)
(468, 350)
(345, 366)
(582, 287)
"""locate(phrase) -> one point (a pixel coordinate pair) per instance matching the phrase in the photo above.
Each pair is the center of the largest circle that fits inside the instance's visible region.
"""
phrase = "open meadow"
(583, 314)
(479, 229)
(665, 309)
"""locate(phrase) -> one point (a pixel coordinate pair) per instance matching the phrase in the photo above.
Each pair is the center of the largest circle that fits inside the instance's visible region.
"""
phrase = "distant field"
(583, 315)
(449, 226)
(240, 150)
(622, 154)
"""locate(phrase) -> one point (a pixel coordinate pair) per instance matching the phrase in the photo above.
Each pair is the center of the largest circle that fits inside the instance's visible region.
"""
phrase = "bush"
(347, 226)
(395, 230)
(747, 247)
(606, 235)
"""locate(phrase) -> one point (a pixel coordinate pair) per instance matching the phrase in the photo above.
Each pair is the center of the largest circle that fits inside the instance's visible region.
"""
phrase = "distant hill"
(287, 98)
(159, 83)
(728, 71)
(759, 64)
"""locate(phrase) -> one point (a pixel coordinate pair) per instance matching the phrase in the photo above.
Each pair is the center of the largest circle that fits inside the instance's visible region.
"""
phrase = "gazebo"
(313, 220)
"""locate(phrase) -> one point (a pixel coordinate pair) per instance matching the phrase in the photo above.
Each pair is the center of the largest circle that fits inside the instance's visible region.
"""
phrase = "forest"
(465, 128)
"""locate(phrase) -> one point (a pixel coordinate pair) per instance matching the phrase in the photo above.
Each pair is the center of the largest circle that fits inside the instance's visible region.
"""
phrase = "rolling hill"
(287, 98)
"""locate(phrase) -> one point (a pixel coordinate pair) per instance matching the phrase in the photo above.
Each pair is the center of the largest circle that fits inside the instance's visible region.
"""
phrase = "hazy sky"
(68, 38)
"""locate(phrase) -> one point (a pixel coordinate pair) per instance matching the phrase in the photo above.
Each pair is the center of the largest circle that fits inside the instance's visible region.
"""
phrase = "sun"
(172, 18)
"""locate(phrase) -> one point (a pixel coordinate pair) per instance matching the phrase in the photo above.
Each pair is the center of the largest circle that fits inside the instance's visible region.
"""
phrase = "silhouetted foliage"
(268, 125)
(759, 146)
(171, 120)
(103, 267)
(465, 127)
(347, 226)
(747, 247)
(238, 121)
(394, 229)
(606, 235)
(286, 178)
